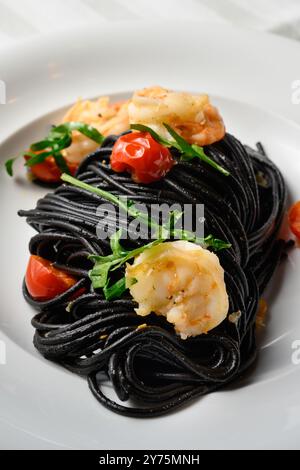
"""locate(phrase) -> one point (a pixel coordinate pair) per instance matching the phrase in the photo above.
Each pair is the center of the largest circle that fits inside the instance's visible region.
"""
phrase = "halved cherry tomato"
(48, 171)
(143, 157)
(44, 281)
(294, 219)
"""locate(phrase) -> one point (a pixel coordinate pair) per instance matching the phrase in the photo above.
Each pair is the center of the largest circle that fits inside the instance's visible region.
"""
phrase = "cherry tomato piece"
(48, 171)
(294, 219)
(143, 157)
(44, 281)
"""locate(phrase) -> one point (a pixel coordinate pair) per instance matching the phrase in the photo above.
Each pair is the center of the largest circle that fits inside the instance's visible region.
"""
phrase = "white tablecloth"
(24, 18)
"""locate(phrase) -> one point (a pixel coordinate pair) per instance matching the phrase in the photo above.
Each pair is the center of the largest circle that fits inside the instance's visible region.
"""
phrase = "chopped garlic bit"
(142, 326)
(181, 281)
(234, 316)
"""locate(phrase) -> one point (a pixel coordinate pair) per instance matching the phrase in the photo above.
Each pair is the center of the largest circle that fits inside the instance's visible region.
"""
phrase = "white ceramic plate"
(248, 75)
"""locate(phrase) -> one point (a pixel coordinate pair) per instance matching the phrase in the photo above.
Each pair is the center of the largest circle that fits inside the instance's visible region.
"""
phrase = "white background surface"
(42, 405)
(21, 19)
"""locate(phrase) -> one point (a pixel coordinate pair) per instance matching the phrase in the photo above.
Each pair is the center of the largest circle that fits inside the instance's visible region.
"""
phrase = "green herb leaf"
(115, 245)
(99, 274)
(59, 138)
(158, 138)
(137, 251)
(125, 204)
(100, 192)
(36, 158)
(216, 243)
(9, 165)
(182, 144)
(187, 150)
(61, 163)
(41, 145)
(115, 290)
(162, 231)
(130, 282)
(85, 129)
(199, 152)
(192, 151)
(174, 217)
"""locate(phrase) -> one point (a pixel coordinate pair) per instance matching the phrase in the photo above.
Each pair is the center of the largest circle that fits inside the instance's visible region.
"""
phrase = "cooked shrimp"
(181, 281)
(105, 117)
(192, 116)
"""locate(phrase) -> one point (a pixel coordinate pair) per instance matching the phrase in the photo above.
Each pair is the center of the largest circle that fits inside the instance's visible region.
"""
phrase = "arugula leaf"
(100, 192)
(85, 129)
(157, 137)
(208, 242)
(99, 274)
(174, 217)
(115, 290)
(9, 166)
(167, 230)
(199, 152)
(64, 131)
(59, 138)
(103, 264)
(125, 204)
(61, 163)
(216, 243)
(36, 158)
(191, 151)
(188, 151)
(42, 145)
(115, 245)
(137, 251)
(182, 144)
(162, 231)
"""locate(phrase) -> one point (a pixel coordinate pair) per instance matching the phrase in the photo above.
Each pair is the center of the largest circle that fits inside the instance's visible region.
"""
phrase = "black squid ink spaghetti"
(164, 320)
